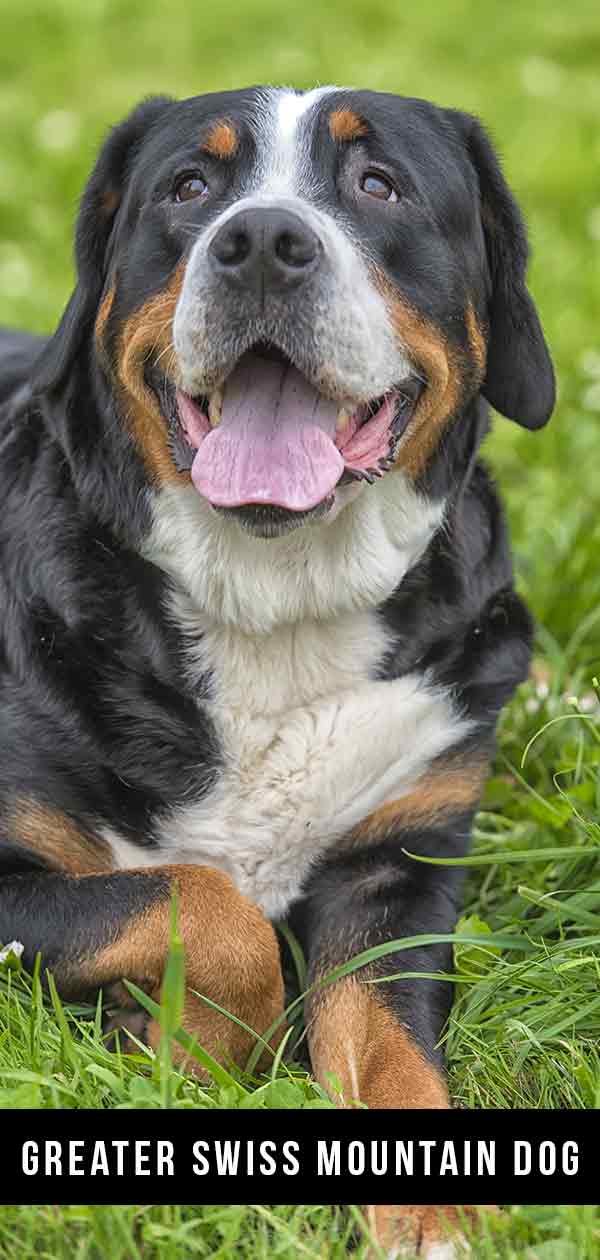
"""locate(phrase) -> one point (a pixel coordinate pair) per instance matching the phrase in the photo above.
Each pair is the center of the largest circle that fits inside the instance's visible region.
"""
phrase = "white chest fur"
(312, 744)
(312, 741)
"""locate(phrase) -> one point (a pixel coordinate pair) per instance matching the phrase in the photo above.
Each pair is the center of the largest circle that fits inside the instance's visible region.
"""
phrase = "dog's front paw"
(124, 1020)
(433, 1233)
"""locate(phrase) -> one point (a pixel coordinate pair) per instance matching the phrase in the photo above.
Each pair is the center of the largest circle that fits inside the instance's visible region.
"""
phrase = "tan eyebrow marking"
(222, 140)
(345, 125)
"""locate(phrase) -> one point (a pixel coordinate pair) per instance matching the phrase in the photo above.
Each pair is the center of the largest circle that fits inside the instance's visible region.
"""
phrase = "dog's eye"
(376, 185)
(190, 186)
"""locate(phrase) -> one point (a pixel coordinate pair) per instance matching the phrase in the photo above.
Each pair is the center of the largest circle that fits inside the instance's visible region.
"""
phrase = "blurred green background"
(69, 69)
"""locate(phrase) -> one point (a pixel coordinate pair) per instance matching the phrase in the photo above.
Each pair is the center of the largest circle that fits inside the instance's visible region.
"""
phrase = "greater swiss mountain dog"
(258, 616)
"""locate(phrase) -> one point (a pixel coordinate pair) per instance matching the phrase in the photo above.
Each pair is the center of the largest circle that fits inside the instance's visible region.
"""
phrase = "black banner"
(299, 1156)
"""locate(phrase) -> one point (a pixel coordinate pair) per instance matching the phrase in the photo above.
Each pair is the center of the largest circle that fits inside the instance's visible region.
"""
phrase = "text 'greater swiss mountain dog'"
(258, 619)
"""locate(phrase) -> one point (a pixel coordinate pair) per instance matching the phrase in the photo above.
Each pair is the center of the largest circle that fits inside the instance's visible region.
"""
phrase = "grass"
(262, 1233)
(525, 1027)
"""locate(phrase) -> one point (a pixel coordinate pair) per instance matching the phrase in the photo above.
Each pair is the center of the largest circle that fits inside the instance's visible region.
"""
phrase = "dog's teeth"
(214, 407)
(343, 419)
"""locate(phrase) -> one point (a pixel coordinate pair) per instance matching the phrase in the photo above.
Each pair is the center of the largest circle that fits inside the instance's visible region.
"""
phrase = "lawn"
(525, 1028)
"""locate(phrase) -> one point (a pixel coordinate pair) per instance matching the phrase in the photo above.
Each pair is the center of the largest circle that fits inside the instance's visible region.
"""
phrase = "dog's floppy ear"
(519, 379)
(97, 213)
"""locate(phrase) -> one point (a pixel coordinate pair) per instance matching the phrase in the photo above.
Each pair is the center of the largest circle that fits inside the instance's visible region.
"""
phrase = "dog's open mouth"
(268, 437)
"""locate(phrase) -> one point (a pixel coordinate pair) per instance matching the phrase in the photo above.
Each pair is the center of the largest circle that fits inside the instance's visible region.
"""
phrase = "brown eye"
(189, 187)
(378, 186)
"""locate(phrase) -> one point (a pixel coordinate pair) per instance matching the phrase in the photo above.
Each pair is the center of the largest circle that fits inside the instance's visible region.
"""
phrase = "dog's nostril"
(233, 247)
(295, 250)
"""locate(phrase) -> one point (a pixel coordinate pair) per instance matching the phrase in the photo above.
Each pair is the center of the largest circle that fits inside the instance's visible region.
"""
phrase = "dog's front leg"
(93, 931)
(378, 1043)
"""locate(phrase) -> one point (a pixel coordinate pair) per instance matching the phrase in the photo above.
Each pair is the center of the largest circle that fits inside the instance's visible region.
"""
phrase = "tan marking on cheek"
(450, 375)
(439, 401)
(345, 126)
(444, 791)
(477, 343)
(57, 840)
(148, 335)
(103, 314)
(353, 1036)
(231, 955)
(222, 140)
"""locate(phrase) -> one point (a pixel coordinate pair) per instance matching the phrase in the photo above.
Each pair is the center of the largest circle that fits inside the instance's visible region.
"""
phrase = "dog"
(258, 615)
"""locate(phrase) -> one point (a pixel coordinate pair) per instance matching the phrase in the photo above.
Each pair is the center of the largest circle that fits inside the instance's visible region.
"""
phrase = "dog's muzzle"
(291, 380)
(265, 250)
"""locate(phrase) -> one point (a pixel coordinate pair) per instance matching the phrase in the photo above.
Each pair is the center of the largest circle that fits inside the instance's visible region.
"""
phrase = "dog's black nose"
(265, 248)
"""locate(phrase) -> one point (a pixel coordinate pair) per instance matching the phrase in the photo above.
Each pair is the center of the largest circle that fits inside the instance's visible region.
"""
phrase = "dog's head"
(294, 295)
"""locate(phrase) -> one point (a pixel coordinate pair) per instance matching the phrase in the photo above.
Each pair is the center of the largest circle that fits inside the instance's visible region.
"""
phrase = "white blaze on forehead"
(283, 145)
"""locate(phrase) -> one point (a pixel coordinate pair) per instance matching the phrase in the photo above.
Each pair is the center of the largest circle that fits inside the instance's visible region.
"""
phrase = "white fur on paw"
(448, 1250)
(438, 1251)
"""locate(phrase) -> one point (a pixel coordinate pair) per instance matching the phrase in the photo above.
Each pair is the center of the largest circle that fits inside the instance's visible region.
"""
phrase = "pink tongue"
(274, 443)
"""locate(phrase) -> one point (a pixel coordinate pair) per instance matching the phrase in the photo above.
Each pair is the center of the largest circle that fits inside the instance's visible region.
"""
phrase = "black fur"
(76, 922)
